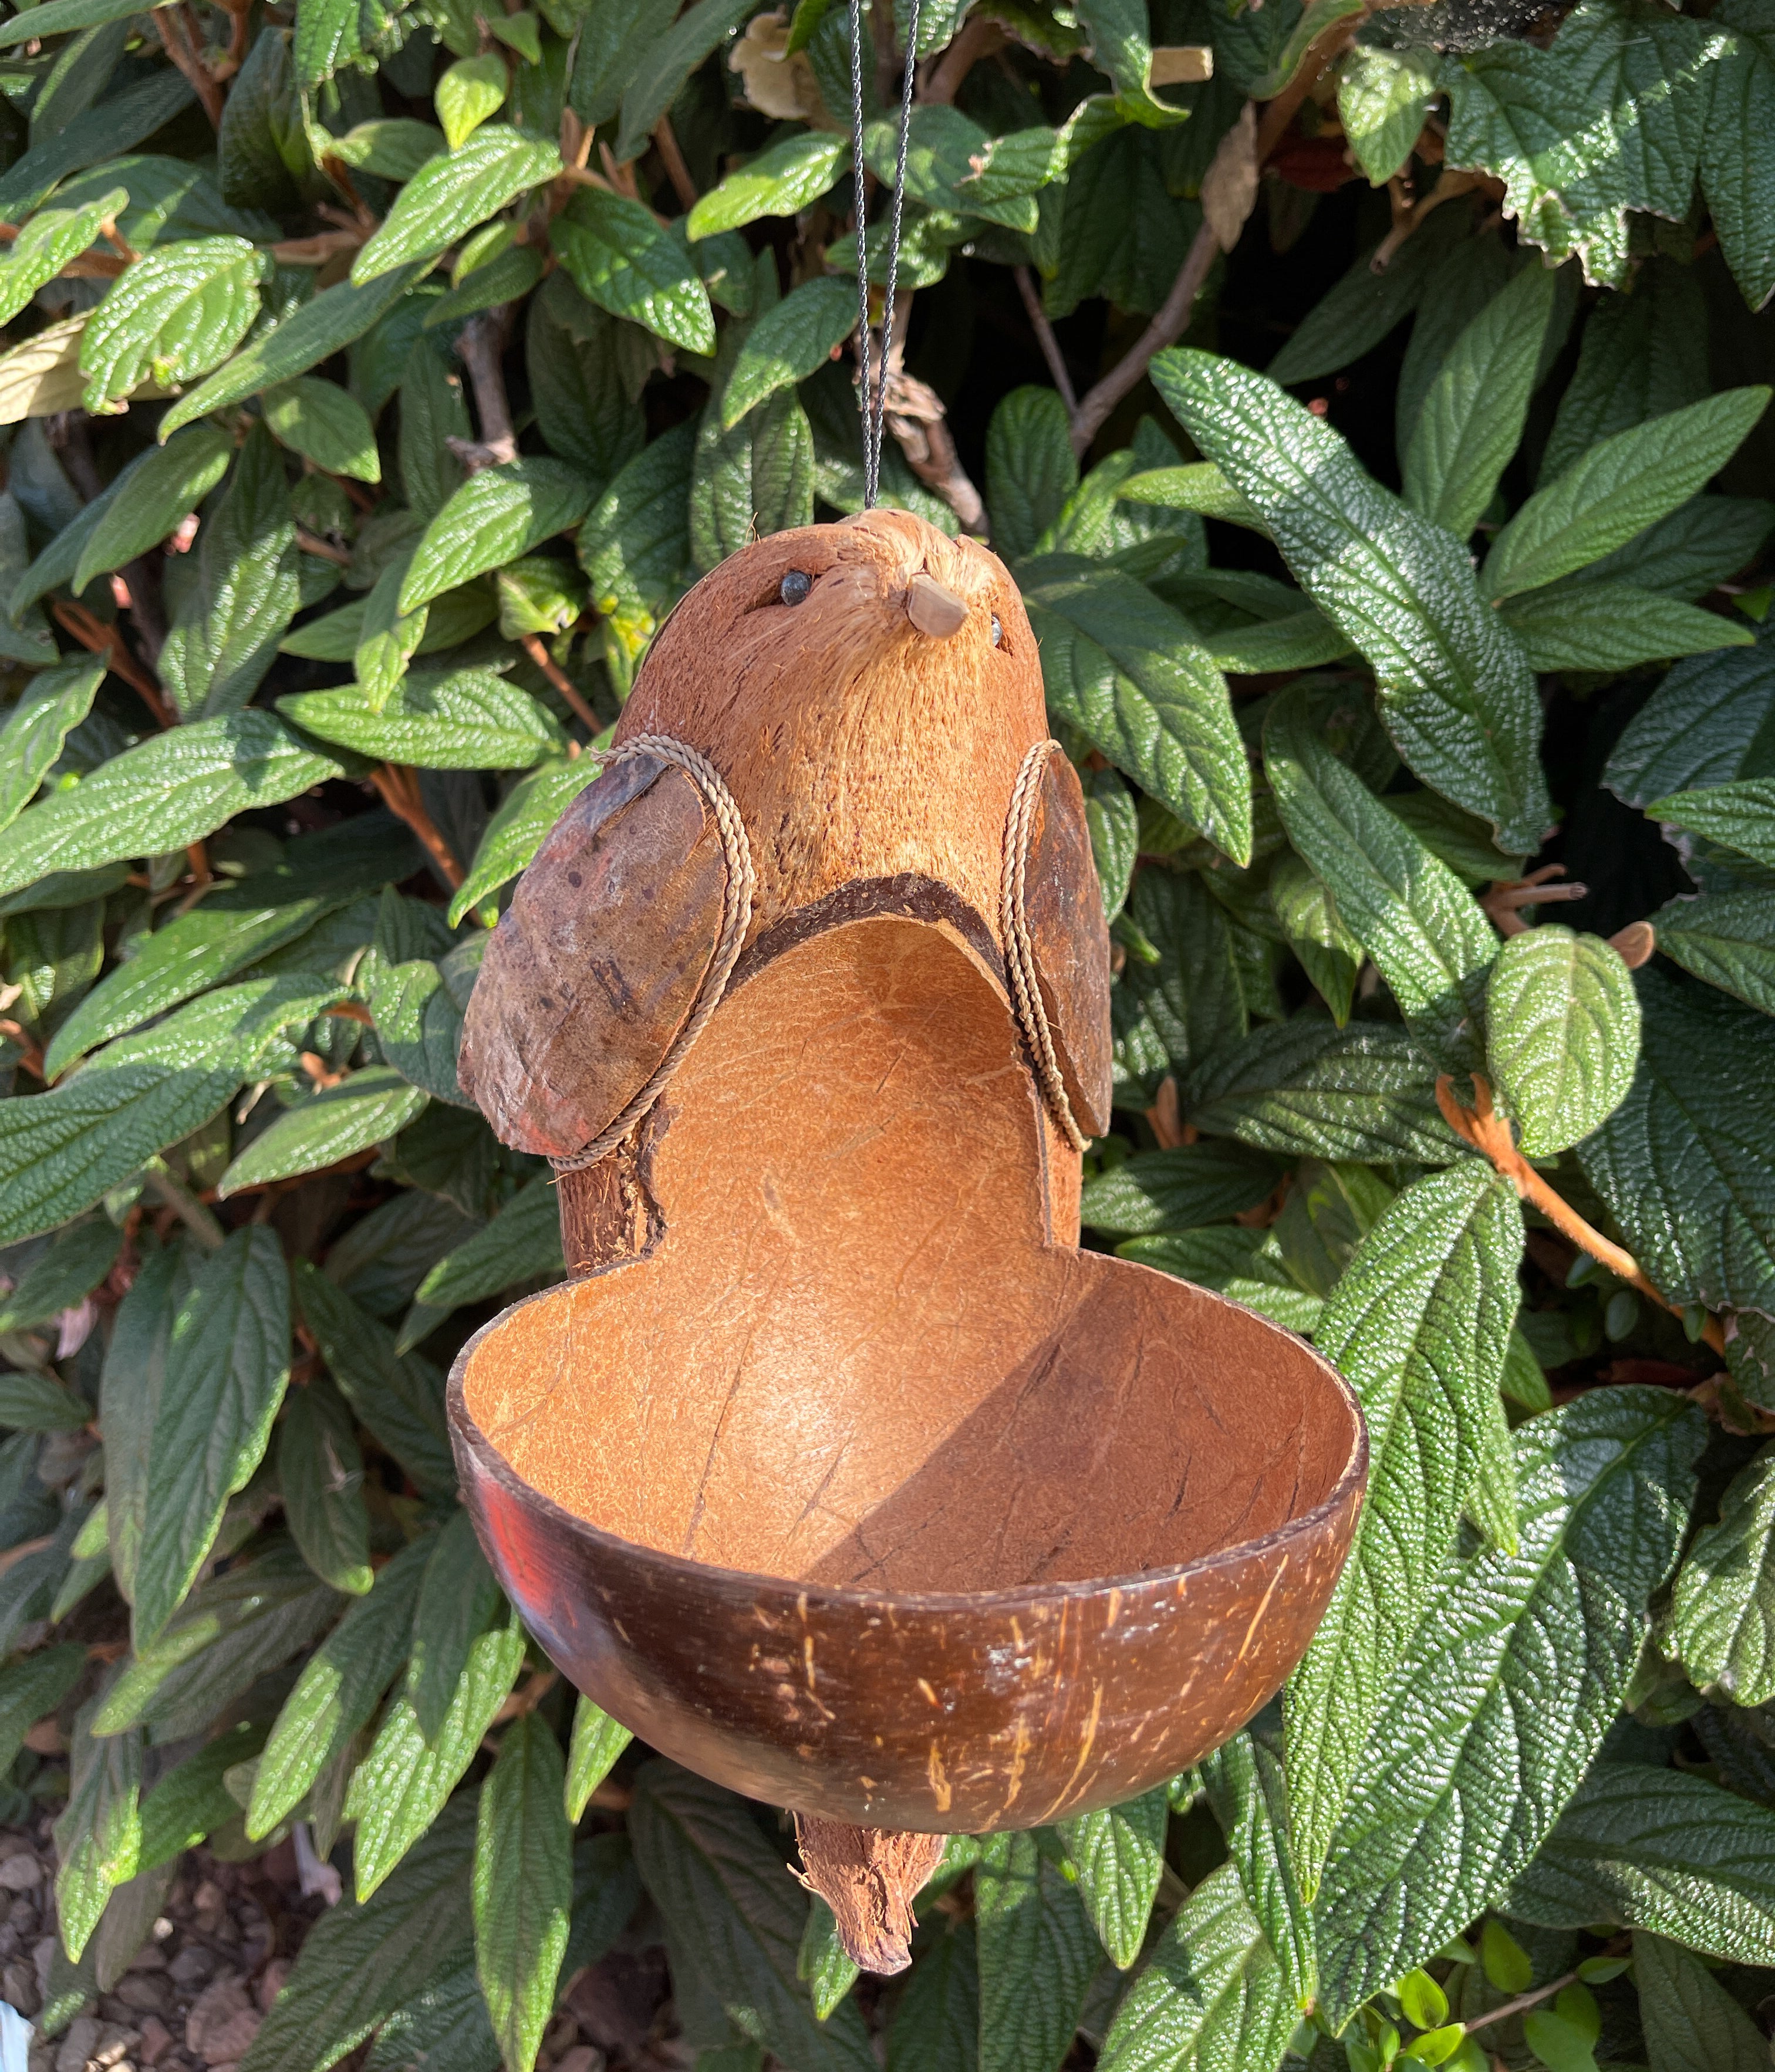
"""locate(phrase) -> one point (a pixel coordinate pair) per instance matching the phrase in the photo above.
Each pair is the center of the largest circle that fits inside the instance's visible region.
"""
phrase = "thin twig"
(481, 348)
(398, 789)
(540, 655)
(666, 138)
(172, 30)
(1489, 1134)
(312, 543)
(31, 1054)
(109, 641)
(160, 1182)
(980, 37)
(1520, 2004)
(1046, 338)
(1169, 324)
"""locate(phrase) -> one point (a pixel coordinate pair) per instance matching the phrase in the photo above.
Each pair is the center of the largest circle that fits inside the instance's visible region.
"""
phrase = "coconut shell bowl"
(837, 1471)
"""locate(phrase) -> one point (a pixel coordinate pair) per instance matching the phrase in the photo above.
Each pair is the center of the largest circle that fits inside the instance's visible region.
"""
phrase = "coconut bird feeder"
(837, 1470)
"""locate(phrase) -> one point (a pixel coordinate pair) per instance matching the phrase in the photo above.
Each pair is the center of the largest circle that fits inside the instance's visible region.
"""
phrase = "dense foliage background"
(376, 379)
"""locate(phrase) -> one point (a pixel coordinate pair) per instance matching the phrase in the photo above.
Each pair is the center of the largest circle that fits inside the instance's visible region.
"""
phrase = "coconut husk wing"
(1063, 911)
(598, 962)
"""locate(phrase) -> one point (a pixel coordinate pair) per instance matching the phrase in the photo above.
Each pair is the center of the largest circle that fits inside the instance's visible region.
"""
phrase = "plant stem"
(399, 790)
(108, 641)
(1489, 1134)
(665, 138)
(173, 32)
(1046, 338)
(1520, 2004)
(480, 348)
(190, 1212)
(532, 645)
(1169, 324)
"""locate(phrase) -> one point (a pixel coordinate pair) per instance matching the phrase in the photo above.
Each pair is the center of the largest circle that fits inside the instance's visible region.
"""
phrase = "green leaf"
(1248, 1792)
(229, 1631)
(60, 1151)
(1723, 1618)
(48, 710)
(635, 545)
(515, 832)
(191, 1801)
(169, 485)
(935, 2023)
(1739, 816)
(118, 123)
(325, 424)
(362, 1959)
(596, 1742)
(39, 1403)
(468, 92)
(1608, 627)
(367, 1107)
(1365, 305)
(1728, 938)
(1661, 1850)
(1562, 1034)
(1472, 419)
(821, 1962)
(1619, 488)
(1038, 1955)
(98, 1838)
(340, 1686)
(1212, 1998)
(167, 791)
(1120, 46)
(1331, 957)
(74, 1265)
(619, 257)
(1692, 2023)
(171, 316)
(418, 1020)
(401, 1786)
(1700, 728)
(1502, 1698)
(522, 1243)
(336, 318)
(1608, 119)
(1124, 668)
(523, 1887)
(1156, 1190)
(1457, 693)
(574, 363)
(789, 177)
(1119, 1855)
(756, 478)
(1383, 98)
(1201, 487)
(1428, 938)
(227, 1362)
(451, 195)
(496, 516)
(1245, 1264)
(228, 622)
(1418, 1325)
(1736, 174)
(459, 1600)
(398, 1396)
(459, 719)
(1686, 1165)
(667, 58)
(59, 15)
(45, 244)
(1031, 469)
(1641, 356)
(788, 342)
(31, 1689)
(320, 1473)
(734, 1918)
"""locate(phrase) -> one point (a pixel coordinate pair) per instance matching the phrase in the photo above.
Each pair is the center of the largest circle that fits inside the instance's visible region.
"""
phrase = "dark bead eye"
(998, 631)
(796, 585)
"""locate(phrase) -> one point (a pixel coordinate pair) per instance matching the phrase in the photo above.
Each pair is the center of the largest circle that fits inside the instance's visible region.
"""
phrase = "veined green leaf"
(1609, 627)
(1248, 1792)
(516, 831)
(320, 1473)
(1245, 1264)
(1562, 1034)
(1213, 1998)
(1502, 1699)
(326, 424)
(1383, 98)
(1419, 1325)
(399, 1395)
(98, 1837)
(1119, 1855)
(523, 1887)
(169, 485)
(1727, 938)
(366, 1107)
(1736, 172)
(340, 1686)
(1657, 1849)
(32, 1688)
(619, 258)
(451, 195)
(1124, 668)
(49, 240)
(171, 316)
(227, 1361)
(597, 1741)
(1619, 488)
(788, 342)
(1700, 728)
(667, 58)
(49, 709)
(118, 123)
(1739, 816)
(1692, 2024)
(1155, 1190)
(1456, 690)
(496, 516)
(1036, 1956)
(935, 2023)
(1368, 302)
(461, 719)
(787, 178)
(1722, 1620)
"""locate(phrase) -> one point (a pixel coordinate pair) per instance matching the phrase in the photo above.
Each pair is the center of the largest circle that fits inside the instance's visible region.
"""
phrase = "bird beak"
(933, 609)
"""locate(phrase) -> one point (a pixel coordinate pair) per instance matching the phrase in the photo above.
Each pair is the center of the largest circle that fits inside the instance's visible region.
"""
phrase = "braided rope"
(1020, 952)
(736, 917)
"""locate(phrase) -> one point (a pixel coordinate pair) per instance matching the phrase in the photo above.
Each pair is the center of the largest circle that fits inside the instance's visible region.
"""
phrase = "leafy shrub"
(375, 383)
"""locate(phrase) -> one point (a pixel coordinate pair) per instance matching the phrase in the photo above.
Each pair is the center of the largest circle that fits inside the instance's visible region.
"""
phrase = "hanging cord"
(874, 399)
(1020, 952)
(736, 918)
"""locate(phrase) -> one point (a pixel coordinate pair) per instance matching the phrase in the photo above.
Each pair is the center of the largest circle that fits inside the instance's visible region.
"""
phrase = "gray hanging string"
(874, 398)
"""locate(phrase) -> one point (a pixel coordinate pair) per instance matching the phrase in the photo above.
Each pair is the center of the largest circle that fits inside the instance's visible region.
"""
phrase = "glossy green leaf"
(596, 1742)
(325, 424)
(523, 1887)
(1212, 1999)
(171, 316)
(788, 343)
(468, 92)
(320, 1473)
(1607, 627)
(98, 1837)
(1119, 1855)
(227, 1361)
(32, 1688)
(340, 1686)
(73, 1266)
(1366, 304)
(619, 257)
(453, 194)
(118, 123)
(398, 1396)
(1154, 1190)
(496, 516)
(1737, 171)
(1620, 486)
(1037, 1953)
(1739, 816)
(1247, 1791)
(1418, 1325)
(1661, 1850)
(1124, 667)
(1515, 1674)
(1692, 2023)
(516, 831)
(1562, 1034)
(461, 719)
(667, 58)
(39, 1403)
(45, 244)
(1245, 1264)
(367, 1107)
(1728, 938)
(169, 486)
(48, 710)
(1456, 691)
(1383, 98)
(935, 2023)
(789, 177)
